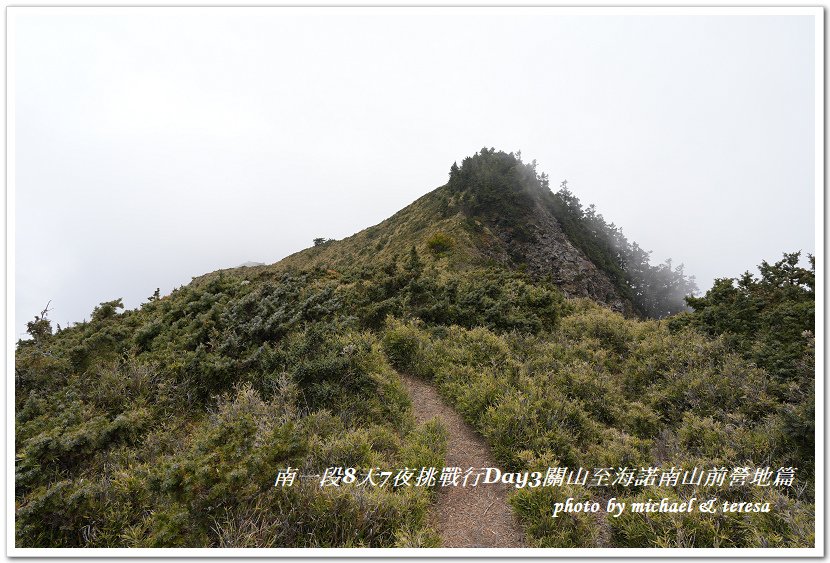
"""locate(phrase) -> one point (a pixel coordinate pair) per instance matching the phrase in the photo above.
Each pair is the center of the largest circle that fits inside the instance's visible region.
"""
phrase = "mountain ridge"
(495, 210)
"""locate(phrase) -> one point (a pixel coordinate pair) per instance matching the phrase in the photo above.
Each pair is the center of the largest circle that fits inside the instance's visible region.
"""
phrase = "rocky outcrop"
(544, 251)
(552, 254)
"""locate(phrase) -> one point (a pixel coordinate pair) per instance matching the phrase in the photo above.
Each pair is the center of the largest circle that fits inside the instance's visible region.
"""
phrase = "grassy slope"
(164, 426)
(412, 226)
(601, 391)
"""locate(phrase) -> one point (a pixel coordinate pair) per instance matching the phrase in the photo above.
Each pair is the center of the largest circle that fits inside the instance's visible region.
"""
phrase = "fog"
(154, 145)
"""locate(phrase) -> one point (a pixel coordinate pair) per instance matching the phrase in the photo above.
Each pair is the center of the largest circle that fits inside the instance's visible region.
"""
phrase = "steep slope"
(494, 211)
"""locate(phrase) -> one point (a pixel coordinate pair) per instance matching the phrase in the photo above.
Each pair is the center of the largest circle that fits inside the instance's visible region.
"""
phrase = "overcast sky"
(154, 145)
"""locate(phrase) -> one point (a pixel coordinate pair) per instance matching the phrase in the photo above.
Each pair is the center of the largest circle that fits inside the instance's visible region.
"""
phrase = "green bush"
(440, 243)
(165, 426)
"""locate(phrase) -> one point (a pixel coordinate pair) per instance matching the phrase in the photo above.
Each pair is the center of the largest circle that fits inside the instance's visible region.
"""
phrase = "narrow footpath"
(465, 516)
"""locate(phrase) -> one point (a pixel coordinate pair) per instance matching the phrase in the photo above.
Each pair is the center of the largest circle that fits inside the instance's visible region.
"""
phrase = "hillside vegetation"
(499, 212)
(165, 426)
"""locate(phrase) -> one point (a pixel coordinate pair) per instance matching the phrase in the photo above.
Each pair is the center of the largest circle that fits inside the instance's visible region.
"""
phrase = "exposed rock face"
(545, 251)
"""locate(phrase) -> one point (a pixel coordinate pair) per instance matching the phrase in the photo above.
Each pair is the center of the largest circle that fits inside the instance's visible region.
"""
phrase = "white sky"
(154, 145)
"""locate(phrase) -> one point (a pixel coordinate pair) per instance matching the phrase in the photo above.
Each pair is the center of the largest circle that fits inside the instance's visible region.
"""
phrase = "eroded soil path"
(465, 516)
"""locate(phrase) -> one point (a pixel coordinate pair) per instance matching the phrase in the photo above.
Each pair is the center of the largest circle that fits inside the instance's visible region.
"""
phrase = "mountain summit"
(497, 211)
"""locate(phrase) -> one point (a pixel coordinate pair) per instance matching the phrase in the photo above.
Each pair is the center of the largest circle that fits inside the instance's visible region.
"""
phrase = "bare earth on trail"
(466, 516)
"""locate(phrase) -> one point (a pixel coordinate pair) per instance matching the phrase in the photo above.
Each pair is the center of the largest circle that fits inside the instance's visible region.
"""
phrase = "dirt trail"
(466, 516)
